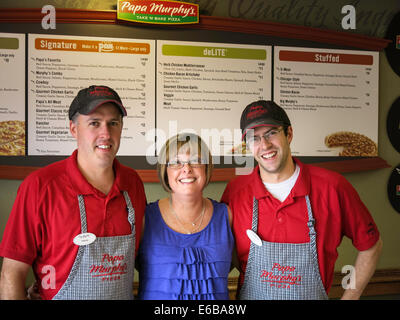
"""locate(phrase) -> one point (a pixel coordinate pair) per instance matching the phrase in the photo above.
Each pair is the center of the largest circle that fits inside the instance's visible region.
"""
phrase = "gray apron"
(103, 269)
(283, 271)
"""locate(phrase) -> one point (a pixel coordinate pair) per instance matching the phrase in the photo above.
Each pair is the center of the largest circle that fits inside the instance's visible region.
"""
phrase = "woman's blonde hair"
(183, 143)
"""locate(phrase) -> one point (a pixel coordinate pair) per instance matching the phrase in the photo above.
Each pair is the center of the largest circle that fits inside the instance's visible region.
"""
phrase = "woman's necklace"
(201, 216)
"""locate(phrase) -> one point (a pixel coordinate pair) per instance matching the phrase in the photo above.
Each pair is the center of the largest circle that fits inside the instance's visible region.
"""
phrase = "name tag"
(254, 237)
(83, 239)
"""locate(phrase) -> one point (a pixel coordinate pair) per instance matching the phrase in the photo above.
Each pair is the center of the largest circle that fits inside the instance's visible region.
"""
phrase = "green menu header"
(214, 52)
(9, 43)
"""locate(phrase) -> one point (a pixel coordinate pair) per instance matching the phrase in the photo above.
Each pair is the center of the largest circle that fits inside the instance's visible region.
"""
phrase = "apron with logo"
(102, 269)
(283, 271)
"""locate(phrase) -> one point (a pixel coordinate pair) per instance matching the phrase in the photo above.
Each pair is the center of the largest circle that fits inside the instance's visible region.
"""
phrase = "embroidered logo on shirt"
(281, 276)
(371, 229)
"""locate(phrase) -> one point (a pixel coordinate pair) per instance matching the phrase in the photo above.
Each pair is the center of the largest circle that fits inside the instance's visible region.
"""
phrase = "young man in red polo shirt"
(289, 217)
(78, 221)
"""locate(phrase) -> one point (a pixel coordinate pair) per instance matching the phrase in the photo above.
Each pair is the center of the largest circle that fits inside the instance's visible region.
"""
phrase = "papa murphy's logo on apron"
(281, 276)
(110, 269)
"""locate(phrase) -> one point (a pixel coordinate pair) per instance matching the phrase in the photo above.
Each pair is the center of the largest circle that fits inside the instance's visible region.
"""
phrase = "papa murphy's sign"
(158, 12)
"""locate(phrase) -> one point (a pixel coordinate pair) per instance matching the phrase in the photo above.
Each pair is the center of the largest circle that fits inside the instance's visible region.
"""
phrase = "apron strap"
(82, 211)
(310, 223)
(254, 221)
(311, 220)
(131, 211)
(313, 234)
(129, 207)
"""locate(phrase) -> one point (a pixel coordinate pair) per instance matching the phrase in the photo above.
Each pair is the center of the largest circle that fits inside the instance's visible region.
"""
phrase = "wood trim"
(219, 174)
(358, 165)
(281, 30)
(34, 15)
(275, 29)
(383, 282)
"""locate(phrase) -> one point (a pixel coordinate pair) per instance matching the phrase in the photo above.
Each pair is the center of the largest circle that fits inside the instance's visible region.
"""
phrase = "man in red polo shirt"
(78, 221)
(289, 217)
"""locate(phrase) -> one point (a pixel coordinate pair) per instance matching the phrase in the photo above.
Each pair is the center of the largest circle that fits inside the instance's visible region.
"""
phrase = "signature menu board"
(331, 97)
(12, 93)
(203, 88)
(59, 66)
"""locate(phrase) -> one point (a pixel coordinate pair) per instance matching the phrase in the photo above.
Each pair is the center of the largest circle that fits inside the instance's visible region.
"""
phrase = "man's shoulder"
(241, 183)
(326, 181)
(128, 172)
(51, 172)
(129, 179)
(321, 174)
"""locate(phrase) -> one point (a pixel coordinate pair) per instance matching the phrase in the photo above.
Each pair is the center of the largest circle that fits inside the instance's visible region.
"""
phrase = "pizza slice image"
(354, 144)
(12, 138)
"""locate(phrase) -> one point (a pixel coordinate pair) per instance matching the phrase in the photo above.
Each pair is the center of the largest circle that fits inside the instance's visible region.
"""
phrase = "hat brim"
(93, 105)
(262, 123)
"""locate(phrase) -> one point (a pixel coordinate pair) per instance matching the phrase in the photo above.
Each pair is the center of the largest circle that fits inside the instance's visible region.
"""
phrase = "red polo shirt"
(336, 206)
(45, 217)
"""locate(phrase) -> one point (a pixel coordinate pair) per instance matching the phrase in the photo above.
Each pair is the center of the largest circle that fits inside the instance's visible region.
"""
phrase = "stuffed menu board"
(331, 97)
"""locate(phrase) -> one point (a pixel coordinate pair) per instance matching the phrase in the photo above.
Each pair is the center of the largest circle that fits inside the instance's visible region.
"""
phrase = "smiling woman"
(187, 244)
(183, 144)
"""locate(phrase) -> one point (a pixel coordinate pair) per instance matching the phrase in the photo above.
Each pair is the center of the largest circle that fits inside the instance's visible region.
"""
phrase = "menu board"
(12, 93)
(331, 97)
(59, 66)
(204, 87)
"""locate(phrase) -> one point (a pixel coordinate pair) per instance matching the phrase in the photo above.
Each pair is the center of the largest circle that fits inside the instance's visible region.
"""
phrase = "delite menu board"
(12, 93)
(331, 97)
(203, 88)
(59, 66)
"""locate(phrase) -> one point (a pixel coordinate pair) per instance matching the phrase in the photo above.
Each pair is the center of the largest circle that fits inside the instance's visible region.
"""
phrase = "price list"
(204, 87)
(59, 66)
(331, 97)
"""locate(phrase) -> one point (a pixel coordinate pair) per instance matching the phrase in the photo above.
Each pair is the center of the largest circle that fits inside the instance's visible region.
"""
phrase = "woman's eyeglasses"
(178, 164)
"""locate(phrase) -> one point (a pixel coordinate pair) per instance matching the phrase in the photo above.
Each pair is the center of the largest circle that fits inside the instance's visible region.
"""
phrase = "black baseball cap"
(89, 99)
(262, 113)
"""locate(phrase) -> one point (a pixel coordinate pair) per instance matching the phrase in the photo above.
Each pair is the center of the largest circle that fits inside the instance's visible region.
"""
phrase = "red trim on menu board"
(325, 57)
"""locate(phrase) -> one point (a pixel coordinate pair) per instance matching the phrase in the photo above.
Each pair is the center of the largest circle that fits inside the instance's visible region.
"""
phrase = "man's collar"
(300, 189)
(82, 186)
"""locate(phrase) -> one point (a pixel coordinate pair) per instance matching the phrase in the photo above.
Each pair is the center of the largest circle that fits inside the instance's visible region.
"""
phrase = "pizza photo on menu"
(353, 144)
(12, 138)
